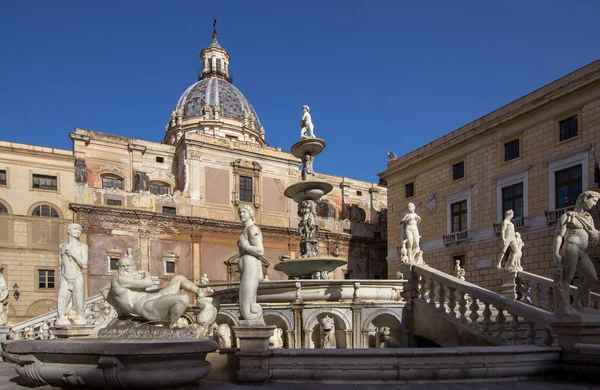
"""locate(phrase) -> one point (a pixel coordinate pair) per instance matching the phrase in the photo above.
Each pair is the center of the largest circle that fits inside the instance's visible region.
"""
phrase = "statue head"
(306, 108)
(126, 266)
(411, 207)
(246, 211)
(327, 324)
(588, 199)
(509, 214)
(74, 230)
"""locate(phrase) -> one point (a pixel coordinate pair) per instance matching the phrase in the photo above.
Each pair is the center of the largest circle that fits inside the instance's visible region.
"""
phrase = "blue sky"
(378, 75)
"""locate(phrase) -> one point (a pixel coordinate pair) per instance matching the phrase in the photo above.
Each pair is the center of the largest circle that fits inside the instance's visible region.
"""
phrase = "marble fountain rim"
(312, 146)
(297, 191)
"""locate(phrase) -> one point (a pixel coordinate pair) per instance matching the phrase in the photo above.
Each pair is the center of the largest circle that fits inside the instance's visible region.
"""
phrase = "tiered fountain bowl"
(311, 265)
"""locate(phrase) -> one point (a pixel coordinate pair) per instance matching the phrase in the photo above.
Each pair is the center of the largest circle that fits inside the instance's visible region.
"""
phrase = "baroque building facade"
(534, 156)
(175, 202)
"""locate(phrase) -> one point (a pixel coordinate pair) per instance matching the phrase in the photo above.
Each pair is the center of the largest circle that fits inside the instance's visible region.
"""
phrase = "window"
(377, 235)
(45, 210)
(160, 160)
(114, 202)
(159, 189)
(218, 65)
(2, 177)
(568, 186)
(3, 209)
(511, 150)
(113, 263)
(169, 210)
(169, 266)
(568, 128)
(409, 190)
(245, 189)
(45, 182)
(458, 170)
(112, 182)
(359, 193)
(45, 278)
(512, 199)
(459, 216)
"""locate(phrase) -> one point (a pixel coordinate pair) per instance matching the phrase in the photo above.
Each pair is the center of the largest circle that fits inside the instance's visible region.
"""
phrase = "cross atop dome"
(214, 59)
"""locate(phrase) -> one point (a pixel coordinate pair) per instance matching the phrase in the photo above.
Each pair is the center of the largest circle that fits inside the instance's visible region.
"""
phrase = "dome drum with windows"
(213, 106)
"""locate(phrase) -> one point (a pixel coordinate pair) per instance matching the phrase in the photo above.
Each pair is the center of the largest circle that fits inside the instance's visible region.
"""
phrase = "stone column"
(196, 250)
(290, 338)
(254, 352)
(357, 321)
(298, 324)
(349, 333)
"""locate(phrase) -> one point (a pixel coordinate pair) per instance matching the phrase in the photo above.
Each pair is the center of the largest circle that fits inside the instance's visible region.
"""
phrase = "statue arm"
(561, 230)
(128, 282)
(254, 245)
(418, 218)
(80, 256)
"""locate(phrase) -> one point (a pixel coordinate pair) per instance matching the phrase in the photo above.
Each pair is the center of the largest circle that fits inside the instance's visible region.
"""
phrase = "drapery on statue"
(575, 231)
(306, 124)
(250, 245)
(126, 293)
(73, 259)
(411, 221)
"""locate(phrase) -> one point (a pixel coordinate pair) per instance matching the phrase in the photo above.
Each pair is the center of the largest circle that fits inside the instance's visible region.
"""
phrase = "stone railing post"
(509, 284)
(254, 352)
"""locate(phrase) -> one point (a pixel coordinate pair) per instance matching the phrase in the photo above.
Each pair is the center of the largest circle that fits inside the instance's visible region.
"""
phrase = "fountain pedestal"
(254, 351)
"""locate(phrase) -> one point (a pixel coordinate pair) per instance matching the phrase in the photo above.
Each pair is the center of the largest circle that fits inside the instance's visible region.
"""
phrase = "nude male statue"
(251, 274)
(507, 234)
(73, 259)
(306, 124)
(575, 231)
(126, 293)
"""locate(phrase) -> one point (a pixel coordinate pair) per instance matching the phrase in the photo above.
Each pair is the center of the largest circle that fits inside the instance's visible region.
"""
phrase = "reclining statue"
(126, 293)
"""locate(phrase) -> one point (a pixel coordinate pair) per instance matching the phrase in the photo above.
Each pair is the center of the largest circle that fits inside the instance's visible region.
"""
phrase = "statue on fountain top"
(575, 232)
(306, 124)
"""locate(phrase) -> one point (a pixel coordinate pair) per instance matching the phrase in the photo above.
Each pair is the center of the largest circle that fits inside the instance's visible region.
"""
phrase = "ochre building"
(534, 155)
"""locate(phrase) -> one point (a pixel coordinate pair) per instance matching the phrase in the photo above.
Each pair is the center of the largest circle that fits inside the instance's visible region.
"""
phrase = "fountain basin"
(304, 268)
(311, 146)
(307, 190)
(120, 363)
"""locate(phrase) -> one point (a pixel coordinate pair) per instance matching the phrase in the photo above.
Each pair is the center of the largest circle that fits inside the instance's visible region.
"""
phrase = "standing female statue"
(410, 221)
(251, 274)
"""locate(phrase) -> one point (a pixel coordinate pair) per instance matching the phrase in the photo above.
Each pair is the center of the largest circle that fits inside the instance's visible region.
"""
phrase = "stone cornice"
(145, 219)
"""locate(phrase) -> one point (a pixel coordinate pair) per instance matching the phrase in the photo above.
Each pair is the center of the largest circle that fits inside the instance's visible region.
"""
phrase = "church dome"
(215, 91)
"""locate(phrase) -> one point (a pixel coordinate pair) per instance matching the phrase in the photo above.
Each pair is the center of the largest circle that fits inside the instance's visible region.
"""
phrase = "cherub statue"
(306, 124)
(307, 227)
(459, 271)
(404, 252)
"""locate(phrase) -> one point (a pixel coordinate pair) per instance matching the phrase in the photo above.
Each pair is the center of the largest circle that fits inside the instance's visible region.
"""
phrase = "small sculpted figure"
(508, 237)
(126, 293)
(575, 232)
(327, 327)
(207, 110)
(217, 111)
(513, 263)
(307, 227)
(223, 333)
(204, 279)
(250, 245)
(458, 270)
(386, 340)
(411, 221)
(404, 252)
(4, 294)
(73, 259)
(276, 341)
(306, 124)
(307, 167)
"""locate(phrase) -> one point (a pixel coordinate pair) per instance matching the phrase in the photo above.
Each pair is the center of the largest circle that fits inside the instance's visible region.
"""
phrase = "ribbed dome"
(212, 91)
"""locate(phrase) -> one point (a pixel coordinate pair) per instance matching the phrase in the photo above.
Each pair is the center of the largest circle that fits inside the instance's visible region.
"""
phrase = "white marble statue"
(575, 232)
(386, 340)
(223, 334)
(126, 293)
(204, 279)
(508, 239)
(276, 341)
(306, 124)
(73, 259)
(459, 271)
(411, 220)
(513, 264)
(4, 294)
(404, 252)
(250, 245)
(327, 328)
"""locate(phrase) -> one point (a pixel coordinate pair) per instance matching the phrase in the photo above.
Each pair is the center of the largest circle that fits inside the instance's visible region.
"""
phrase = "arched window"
(159, 188)
(218, 65)
(45, 210)
(111, 181)
(3, 208)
